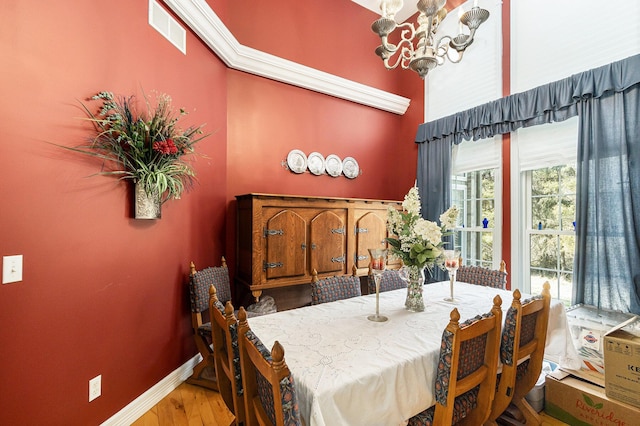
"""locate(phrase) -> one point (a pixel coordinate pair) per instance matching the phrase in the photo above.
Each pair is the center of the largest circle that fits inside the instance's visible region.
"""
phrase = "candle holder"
(378, 264)
(451, 262)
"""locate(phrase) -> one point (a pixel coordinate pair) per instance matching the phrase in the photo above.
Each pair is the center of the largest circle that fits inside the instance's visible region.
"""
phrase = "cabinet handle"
(271, 265)
(313, 246)
(361, 257)
(338, 259)
(269, 232)
(338, 231)
(361, 230)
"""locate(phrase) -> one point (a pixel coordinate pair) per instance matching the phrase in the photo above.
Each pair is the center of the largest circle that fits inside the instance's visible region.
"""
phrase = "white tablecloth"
(352, 371)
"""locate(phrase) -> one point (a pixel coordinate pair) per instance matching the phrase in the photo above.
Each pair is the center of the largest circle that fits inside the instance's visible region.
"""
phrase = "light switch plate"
(11, 269)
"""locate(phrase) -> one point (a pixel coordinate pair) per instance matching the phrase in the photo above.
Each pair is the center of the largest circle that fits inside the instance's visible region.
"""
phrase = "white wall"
(552, 39)
(476, 79)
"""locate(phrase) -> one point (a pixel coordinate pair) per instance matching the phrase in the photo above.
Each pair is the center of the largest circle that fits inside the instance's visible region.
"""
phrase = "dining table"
(348, 370)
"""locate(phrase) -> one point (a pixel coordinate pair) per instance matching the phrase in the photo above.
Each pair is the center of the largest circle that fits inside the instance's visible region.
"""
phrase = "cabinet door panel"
(286, 234)
(371, 230)
(328, 237)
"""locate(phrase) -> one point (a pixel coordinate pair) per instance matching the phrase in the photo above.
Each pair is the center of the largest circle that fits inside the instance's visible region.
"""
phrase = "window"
(474, 195)
(543, 176)
(476, 191)
(551, 208)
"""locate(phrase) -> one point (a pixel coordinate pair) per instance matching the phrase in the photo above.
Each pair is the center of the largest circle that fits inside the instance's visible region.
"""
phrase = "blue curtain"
(607, 263)
(434, 185)
(610, 132)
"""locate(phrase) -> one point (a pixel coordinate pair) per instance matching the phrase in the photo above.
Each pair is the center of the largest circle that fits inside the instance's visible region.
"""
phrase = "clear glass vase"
(415, 281)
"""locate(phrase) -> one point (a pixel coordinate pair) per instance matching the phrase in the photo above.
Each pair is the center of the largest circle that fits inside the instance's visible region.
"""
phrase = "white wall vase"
(146, 206)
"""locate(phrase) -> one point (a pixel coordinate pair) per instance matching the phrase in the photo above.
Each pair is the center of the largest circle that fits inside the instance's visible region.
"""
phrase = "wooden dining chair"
(199, 283)
(483, 276)
(466, 375)
(269, 390)
(521, 354)
(224, 332)
(334, 288)
(391, 280)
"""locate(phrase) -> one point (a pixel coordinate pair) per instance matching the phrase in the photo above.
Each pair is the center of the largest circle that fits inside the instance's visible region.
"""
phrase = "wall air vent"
(167, 26)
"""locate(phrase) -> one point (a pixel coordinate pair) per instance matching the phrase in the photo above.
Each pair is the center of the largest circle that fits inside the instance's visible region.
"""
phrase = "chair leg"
(531, 416)
(204, 374)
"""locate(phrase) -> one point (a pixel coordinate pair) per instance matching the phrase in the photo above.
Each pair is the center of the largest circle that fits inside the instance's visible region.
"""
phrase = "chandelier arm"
(406, 57)
(390, 48)
(442, 47)
(406, 36)
(410, 30)
(395, 63)
(404, 48)
(454, 60)
(403, 57)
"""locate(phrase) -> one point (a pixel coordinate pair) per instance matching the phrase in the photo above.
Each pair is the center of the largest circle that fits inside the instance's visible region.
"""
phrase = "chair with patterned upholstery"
(330, 289)
(466, 376)
(521, 353)
(483, 276)
(199, 283)
(391, 280)
(269, 390)
(224, 334)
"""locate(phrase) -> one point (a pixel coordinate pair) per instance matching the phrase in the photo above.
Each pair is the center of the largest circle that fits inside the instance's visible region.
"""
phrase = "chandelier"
(426, 53)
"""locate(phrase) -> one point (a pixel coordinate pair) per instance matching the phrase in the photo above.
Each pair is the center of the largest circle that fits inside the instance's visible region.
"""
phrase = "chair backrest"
(522, 349)
(269, 390)
(335, 288)
(391, 280)
(467, 367)
(483, 276)
(224, 333)
(199, 283)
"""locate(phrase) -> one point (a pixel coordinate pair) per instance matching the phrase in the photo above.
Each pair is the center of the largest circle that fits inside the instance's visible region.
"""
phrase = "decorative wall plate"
(350, 168)
(315, 163)
(297, 161)
(333, 164)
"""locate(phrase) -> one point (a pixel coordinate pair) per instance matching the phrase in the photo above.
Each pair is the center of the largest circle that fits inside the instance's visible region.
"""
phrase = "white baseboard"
(134, 410)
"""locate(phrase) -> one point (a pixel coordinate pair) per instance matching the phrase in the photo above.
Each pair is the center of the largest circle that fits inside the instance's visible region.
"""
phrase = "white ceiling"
(408, 8)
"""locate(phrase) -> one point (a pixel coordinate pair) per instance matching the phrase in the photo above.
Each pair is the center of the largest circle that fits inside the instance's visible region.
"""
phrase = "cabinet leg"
(256, 294)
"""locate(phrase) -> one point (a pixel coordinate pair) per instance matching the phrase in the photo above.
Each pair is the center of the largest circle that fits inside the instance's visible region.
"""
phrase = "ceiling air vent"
(167, 26)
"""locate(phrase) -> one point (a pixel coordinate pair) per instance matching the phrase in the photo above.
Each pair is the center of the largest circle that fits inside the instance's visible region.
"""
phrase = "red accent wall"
(103, 293)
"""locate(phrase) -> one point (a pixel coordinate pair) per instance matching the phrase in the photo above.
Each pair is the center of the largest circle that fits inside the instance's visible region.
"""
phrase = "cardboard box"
(580, 403)
(588, 325)
(622, 362)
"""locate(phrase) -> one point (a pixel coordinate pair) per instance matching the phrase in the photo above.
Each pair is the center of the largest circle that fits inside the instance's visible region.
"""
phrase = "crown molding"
(205, 23)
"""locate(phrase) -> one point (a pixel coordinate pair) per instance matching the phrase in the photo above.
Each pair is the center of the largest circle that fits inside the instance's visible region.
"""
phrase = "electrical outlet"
(95, 387)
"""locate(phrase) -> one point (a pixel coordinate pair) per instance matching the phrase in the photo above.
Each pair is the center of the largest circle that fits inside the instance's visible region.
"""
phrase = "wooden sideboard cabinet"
(281, 239)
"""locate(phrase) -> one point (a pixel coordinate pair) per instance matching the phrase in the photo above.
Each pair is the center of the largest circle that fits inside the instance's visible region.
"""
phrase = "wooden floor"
(195, 406)
(188, 405)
